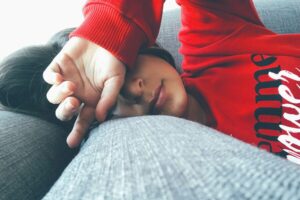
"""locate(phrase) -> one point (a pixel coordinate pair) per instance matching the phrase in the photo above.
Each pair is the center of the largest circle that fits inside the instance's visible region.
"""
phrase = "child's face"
(152, 87)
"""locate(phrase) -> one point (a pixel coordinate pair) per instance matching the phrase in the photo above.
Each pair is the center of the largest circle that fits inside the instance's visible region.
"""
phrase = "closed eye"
(130, 100)
(115, 117)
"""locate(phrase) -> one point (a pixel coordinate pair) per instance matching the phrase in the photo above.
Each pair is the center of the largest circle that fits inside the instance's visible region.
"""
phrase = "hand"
(85, 78)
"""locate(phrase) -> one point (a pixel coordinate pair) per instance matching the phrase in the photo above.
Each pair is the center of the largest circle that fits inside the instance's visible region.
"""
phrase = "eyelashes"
(136, 100)
(112, 116)
(130, 100)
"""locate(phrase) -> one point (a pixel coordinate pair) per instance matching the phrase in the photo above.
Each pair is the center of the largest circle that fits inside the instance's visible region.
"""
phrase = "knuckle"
(64, 60)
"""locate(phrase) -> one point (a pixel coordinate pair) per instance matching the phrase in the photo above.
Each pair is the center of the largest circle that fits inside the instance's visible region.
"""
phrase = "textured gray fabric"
(160, 157)
(33, 153)
(281, 16)
(168, 34)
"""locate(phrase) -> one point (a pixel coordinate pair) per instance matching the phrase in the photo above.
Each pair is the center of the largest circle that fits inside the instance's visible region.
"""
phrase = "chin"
(177, 110)
(178, 113)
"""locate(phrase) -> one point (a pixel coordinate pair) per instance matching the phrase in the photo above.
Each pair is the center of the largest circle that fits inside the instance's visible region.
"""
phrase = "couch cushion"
(161, 157)
(281, 16)
(168, 34)
(33, 154)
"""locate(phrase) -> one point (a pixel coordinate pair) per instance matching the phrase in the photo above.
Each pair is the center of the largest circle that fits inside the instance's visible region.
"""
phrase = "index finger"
(52, 73)
(81, 126)
(108, 98)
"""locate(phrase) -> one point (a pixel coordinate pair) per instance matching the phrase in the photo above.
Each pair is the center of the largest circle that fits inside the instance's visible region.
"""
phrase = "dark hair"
(157, 50)
(22, 88)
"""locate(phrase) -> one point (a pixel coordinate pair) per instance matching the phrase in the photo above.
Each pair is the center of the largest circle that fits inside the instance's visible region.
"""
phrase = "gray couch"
(150, 157)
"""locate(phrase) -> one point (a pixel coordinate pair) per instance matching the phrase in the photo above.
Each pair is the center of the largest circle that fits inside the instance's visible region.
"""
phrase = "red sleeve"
(121, 26)
(209, 21)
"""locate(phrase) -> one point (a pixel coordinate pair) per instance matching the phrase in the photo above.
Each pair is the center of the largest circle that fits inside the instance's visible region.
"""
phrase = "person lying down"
(152, 87)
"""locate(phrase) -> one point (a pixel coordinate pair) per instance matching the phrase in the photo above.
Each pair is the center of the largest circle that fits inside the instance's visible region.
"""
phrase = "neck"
(195, 111)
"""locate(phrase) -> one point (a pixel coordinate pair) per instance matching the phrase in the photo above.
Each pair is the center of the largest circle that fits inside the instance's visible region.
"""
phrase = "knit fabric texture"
(139, 158)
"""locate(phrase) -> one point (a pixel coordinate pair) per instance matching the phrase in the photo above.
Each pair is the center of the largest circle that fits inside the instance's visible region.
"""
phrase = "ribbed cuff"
(111, 30)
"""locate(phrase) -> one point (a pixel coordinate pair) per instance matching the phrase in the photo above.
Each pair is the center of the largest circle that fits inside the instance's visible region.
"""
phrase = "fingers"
(108, 98)
(61, 65)
(67, 109)
(81, 125)
(52, 74)
(57, 93)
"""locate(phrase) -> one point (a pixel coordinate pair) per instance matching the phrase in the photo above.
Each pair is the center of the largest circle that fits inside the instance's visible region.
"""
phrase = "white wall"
(170, 4)
(29, 22)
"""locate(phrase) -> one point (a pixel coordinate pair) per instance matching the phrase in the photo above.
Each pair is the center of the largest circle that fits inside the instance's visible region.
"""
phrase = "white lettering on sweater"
(291, 143)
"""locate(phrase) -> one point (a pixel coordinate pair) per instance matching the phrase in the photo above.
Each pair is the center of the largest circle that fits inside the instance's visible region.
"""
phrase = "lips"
(159, 98)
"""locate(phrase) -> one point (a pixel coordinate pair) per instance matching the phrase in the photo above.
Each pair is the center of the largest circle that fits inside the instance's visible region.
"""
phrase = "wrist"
(108, 28)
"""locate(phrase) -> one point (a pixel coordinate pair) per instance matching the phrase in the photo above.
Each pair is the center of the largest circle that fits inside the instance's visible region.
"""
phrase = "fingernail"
(66, 89)
(70, 106)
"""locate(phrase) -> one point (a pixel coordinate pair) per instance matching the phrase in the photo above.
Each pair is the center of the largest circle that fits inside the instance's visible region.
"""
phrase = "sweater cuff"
(113, 31)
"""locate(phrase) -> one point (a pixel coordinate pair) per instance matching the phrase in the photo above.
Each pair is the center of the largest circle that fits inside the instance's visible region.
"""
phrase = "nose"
(134, 88)
(137, 86)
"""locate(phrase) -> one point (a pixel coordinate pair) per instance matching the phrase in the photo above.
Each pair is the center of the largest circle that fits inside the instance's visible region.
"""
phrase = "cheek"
(180, 106)
(177, 102)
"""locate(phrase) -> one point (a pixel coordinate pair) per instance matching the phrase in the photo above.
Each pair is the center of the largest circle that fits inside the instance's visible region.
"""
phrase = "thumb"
(109, 96)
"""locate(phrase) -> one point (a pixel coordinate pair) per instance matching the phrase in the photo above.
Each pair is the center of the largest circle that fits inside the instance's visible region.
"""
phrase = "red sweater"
(247, 75)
